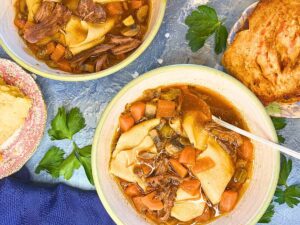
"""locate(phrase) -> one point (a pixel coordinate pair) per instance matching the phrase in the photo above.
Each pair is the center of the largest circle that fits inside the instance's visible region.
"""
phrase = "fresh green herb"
(84, 156)
(273, 108)
(266, 218)
(203, 22)
(65, 125)
(290, 195)
(69, 165)
(51, 162)
(281, 139)
(286, 168)
(279, 123)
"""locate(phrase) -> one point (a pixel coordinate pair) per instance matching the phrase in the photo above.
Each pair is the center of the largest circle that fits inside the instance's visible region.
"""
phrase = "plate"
(277, 109)
(17, 150)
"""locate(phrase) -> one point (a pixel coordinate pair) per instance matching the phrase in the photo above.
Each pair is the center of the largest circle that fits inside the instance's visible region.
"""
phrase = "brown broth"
(89, 65)
(220, 107)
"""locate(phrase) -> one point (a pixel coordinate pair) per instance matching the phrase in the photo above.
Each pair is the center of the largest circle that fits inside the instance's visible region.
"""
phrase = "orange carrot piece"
(115, 8)
(188, 156)
(64, 65)
(133, 190)
(165, 108)
(58, 52)
(138, 110)
(203, 164)
(1, 157)
(179, 169)
(206, 215)
(20, 23)
(228, 201)
(50, 47)
(246, 150)
(137, 201)
(151, 203)
(146, 169)
(126, 122)
(136, 4)
(191, 186)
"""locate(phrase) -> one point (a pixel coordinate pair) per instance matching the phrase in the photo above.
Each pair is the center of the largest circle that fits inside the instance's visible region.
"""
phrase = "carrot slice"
(165, 108)
(151, 203)
(58, 52)
(138, 110)
(132, 190)
(246, 150)
(191, 186)
(206, 215)
(137, 201)
(50, 47)
(228, 201)
(64, 65)
(126, 122)
(146, 169)
(136, 4)
(115, 8)
(1, 157)
(179, 169)
(20, 23)
(188, 156)
(203, 164)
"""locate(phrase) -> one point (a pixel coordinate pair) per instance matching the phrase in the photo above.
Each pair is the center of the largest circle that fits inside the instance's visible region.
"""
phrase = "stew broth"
(161, 171)
(82, 36)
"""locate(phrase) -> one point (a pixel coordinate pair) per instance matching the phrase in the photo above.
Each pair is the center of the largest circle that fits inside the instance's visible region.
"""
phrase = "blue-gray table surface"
(168, 48)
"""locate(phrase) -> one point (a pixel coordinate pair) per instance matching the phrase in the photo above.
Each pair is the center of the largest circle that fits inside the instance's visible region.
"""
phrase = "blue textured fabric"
(23, 202)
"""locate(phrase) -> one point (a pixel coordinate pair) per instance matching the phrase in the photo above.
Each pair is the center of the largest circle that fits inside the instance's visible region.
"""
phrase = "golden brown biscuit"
(266, 56)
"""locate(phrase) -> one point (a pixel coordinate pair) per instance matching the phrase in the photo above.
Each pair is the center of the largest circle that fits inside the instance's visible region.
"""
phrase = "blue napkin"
(23, 202)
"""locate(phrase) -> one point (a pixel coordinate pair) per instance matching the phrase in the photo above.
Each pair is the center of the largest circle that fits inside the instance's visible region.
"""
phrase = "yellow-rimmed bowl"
(13, 44)
(266, 165)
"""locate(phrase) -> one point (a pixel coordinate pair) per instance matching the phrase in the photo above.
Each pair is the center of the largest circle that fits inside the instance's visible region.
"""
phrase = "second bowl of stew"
(158, 157)
(79, 39)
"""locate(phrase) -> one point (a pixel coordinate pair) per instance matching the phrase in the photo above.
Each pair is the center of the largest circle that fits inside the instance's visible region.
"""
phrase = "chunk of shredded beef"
(119, 40)
(91, 12)
(93, 52)
(44, 11)
(100, 62)
(50, 21)
(124, 48)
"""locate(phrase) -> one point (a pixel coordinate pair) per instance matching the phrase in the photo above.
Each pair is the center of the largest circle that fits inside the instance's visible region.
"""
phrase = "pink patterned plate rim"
(20, 147)
(288, 110)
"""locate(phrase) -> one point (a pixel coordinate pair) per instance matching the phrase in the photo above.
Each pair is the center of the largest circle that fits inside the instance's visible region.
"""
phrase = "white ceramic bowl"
(15, 46)
(266, 164)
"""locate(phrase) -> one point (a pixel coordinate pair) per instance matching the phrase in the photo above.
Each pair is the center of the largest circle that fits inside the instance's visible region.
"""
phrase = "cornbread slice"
(266, 56)
(14, 108)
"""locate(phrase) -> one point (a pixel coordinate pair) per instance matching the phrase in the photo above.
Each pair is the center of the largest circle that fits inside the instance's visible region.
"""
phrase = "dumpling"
(135, 135)
(186, 206)
(81, 35)
(215, 180)
(122, 164)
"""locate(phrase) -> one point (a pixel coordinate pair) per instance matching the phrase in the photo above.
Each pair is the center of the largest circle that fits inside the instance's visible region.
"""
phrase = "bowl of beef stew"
(158, 157)
(79, 39)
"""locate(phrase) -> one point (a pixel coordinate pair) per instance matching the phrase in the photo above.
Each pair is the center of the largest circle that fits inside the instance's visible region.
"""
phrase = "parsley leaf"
(221, 39)
(65, 125)
(266, 218)
(68, 166)
(286, 168)
(279, 123)
(51, 162)
(290, 196)
(281, 139)
(84, 156)
(202, 23)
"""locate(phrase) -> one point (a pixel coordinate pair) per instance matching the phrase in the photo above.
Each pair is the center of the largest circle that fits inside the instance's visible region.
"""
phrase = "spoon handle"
(247, 134)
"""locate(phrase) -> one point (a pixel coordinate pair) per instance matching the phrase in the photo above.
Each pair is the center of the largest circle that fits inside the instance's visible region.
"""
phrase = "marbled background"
(169, 47)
